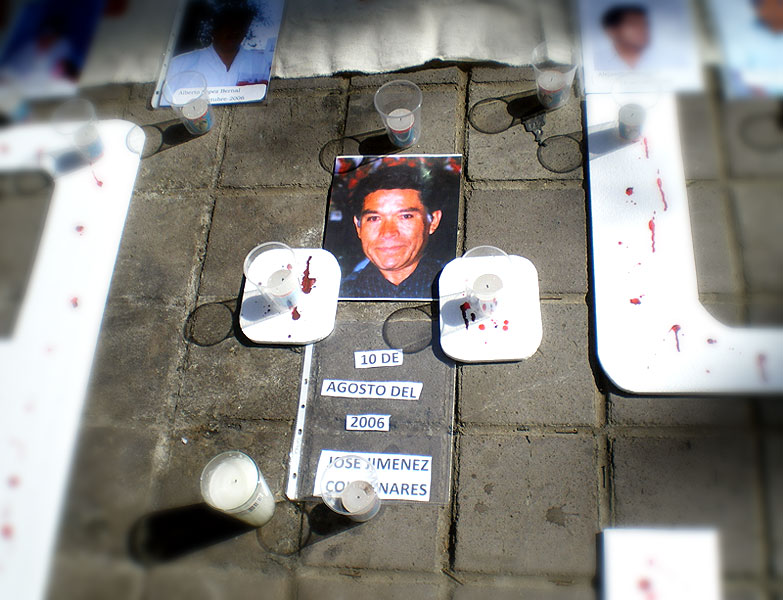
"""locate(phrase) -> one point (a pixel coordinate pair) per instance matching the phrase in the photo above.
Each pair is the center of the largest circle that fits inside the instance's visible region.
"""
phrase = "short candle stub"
(630, 122)
(360, 501)
(484, 294)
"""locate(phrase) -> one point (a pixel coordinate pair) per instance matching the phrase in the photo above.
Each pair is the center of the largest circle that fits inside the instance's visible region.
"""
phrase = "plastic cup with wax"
(399, 105)
(76, 120)
(630, 121)
(554, 66)
(232, 483)
(187, 94)
(484, 292)
(349, 486)
(270, 267)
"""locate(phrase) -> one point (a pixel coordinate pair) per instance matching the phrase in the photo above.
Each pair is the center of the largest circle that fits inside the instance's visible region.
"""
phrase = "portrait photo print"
(392, 224)
(230, 42)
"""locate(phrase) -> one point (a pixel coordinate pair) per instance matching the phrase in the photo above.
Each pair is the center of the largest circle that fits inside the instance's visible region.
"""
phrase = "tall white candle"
(232, 483)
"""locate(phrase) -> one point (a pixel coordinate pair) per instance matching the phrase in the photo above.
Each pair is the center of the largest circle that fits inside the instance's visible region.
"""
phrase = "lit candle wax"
(198, 115)
(630, 122)
(400, 122)
(360, 500)
(277, 283)
(484, 292)
(552, 88)
(232, 483)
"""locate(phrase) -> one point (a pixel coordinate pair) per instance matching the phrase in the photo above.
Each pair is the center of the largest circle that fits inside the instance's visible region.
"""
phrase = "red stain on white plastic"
(651, 225)
(307, 282)
(676, 329)
(636, 301)
(761, 362)
(663, 194)
(80, 229)
(14, 481)
(75, 302)
(295, 314)
(7, 531)
(98, 182)
(646, 148)
(482, 327)
(712, 341)
(629, 191)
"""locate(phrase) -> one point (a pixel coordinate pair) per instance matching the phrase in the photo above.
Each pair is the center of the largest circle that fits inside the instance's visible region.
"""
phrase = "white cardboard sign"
(400, 476)
(385, 390)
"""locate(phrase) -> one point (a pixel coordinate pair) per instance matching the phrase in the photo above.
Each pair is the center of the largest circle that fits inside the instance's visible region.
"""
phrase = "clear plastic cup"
(187, 94)
(76, 120)
(270, 267)
(399, 104)
(232, 483)
(349, 487)
(554, 66)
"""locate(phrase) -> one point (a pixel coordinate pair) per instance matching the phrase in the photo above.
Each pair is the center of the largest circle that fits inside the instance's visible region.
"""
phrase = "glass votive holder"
(270, 268)
(187, 94)
(232, 483)
(349, 486)
(554, 66)
(75, 119)
(399, 105)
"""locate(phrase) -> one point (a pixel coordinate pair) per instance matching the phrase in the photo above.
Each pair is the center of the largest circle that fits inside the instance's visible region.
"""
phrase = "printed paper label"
(377, 358)
(367, 422)
(385, 390)
(400, 476)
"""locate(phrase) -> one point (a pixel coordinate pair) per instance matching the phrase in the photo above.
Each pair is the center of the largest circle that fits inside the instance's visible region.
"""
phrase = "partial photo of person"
(627, 26)
(225, 60)
(392, 225)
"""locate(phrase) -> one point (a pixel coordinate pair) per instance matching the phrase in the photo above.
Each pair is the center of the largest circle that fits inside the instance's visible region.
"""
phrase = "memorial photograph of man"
(392, 224)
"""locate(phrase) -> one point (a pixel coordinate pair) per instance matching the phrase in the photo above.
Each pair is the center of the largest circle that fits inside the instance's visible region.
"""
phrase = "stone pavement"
(547, 452)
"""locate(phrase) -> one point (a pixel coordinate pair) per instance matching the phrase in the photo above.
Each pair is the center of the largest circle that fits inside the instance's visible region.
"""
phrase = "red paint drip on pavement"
(676, 330)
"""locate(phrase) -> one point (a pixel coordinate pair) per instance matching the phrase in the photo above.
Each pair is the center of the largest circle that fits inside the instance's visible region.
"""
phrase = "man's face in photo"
(770, 12)
(633, 31)
(230, 29)
(394, 227)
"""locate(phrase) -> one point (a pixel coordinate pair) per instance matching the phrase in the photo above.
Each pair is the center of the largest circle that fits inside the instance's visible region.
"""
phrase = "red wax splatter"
(644, 584)
(75, 302)
(505, 322)
(4, 148)
(761, 361)
(465, 307)
(80, 229)
(482, 327)
(97, 181)
(629, 191)
(646, 149)
(307, 281)
(505, 327)
(651, 225)
(676, 330)
(295, 314)
(712, 341)
(7, 531)
(635, 301)
(663, 194)
(14, 481)
(619, 243)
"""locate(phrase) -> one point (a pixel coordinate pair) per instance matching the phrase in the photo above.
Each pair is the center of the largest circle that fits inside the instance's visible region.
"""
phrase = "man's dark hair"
(616, 15)
(233, 11)
(397, 177)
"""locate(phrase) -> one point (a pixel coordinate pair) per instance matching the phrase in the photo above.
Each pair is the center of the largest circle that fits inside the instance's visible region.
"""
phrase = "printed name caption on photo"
(381, 390)
(367, 422)
(400, 476)
(367, 359)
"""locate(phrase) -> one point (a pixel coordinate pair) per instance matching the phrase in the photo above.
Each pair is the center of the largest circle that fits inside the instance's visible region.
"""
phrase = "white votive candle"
(232, 483)
(484, 294)
(270, 267)
(630, 122)
(360, 500)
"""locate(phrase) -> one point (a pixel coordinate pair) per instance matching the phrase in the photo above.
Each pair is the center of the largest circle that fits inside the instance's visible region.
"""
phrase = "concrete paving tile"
(766, 311)
(697, 137)
(527, 504)
(421, 77)
(751, 138)
(277, 143)
(159, 254)
(519, 590)
(758, 208)
(305, 83)
(511, 155)
(495, 73)
(716, 268)
(729, 310)
(396, 587)
(186, 583)
(553, 387)
(677, 411)
(545, 226)
(240, 382)
(440, 114)
(402, 536)
(135, 364)
(773, 447)
(736, 592)
(84, 577)
(188, 162)
(109, 489)
(701, 481)
(240, 223)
